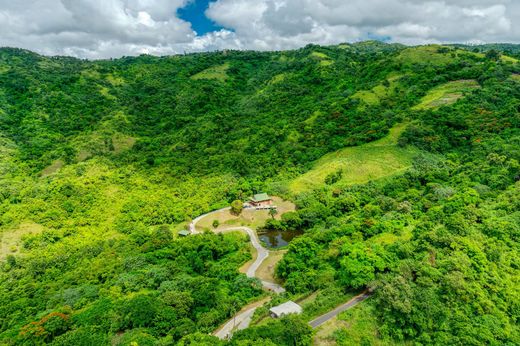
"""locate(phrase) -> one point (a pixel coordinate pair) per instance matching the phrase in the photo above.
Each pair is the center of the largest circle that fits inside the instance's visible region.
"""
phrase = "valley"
(396, 170)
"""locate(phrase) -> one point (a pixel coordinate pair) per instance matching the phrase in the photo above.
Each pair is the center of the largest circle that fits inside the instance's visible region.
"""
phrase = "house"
(261, 201)
(285, 309)
(184, 233)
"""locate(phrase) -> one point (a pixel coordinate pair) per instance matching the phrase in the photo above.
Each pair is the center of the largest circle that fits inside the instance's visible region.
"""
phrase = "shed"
(184, 233)
(284, 309)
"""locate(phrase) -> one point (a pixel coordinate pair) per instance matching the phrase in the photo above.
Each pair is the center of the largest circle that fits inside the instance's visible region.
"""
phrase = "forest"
(103, 162)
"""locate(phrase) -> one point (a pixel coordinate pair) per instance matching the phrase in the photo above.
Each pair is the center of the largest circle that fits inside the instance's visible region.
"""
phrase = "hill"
(402, 162)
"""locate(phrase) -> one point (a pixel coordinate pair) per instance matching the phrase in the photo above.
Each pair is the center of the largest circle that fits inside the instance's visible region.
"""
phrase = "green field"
(359, 164)
(215, 72)
(373, 96)
(446, 94)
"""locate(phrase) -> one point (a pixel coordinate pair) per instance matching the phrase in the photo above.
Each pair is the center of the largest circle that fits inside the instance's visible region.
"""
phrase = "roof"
(260, 197)
(184, 232)
(289, 307)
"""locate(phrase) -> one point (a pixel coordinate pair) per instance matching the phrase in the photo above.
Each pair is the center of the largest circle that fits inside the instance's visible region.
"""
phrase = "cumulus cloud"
(111, 28)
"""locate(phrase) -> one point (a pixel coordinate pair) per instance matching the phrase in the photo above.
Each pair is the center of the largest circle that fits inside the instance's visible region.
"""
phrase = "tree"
(236, 207)
(273, 212)
(493, 54)
(216, 223)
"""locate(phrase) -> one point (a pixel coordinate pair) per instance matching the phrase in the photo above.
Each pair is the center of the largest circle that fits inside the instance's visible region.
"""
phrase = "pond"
(276, 239)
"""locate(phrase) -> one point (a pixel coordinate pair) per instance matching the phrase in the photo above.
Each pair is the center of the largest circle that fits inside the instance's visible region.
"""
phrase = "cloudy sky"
(112, 28)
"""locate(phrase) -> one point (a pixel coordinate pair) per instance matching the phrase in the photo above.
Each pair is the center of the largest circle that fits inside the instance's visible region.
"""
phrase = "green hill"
(403, 163)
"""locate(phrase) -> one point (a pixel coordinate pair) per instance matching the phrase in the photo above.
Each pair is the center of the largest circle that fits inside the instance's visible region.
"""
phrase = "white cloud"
(111, 28)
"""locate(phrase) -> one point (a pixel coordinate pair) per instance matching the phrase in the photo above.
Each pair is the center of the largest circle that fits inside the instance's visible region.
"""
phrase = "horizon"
(462, 45)
(96, 29)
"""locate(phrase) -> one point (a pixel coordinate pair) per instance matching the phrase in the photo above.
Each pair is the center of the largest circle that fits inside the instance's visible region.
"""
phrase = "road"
(333, 313)
(242, 319)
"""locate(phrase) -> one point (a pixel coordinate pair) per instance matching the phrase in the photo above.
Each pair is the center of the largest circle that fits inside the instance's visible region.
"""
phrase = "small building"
(184, 233)
(261, 201)
(285, 309)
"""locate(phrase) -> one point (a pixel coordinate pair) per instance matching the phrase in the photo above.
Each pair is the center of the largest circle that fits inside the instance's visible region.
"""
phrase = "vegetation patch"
(356, 326)
(359, 164)
(374, 96)
(53, 167)
(215, 72)
(11, 240)
(432, 54)
(447, 94)
(515, 77)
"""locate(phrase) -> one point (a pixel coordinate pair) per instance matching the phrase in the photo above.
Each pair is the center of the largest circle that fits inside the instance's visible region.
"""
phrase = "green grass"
(356, 326)
(373, 96)
(215, 72)
(425, 54)
(506, 58)
(446, 94)
(371, 161)
(324, 59)
(319, 55)
(367, 96)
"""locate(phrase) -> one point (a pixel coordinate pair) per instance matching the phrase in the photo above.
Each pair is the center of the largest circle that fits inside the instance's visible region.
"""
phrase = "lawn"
(371, 161)
(446, 94)
(215, 72)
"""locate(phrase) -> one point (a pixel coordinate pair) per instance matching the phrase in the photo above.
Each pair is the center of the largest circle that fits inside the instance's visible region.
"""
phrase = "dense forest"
(102, 162)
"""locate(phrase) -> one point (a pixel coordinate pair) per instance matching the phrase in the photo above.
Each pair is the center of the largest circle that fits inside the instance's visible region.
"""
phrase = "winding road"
(242, 319)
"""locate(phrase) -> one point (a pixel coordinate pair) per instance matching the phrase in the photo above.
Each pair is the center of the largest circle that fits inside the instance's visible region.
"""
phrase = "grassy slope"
(360, 164)
(446, 94)
(357, 326)
(215, 72)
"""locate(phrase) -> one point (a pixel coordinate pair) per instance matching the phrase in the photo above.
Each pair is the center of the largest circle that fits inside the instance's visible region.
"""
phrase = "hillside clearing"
(215, 72)
(359, 164)
(11, 240)
(446, 94)
(373, 96)
(249, 217)
(355, 326)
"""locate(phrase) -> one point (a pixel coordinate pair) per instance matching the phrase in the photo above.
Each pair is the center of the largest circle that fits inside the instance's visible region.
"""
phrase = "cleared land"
(249, 217)
(373, 96)
(215, 72)
(375, 160)
(11, 241)
(266, 270)
(447, 94)
(355, 326)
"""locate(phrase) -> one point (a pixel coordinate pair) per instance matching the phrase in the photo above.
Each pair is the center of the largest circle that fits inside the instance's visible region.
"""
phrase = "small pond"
(276, 239)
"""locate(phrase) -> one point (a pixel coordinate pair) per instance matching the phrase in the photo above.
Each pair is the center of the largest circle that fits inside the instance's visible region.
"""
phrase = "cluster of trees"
(100, 161)
(438, 245)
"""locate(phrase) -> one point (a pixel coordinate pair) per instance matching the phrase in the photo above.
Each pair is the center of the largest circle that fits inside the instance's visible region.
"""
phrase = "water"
(276, 239)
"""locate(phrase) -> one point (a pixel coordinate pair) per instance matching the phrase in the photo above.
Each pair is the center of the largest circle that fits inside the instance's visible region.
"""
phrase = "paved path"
(325, 317)
(243, 318)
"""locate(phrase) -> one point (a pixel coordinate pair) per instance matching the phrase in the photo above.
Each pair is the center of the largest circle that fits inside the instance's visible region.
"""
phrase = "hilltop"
(403, 164)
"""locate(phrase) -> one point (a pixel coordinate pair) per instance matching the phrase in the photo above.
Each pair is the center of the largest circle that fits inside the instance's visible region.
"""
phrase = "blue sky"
(194, 13)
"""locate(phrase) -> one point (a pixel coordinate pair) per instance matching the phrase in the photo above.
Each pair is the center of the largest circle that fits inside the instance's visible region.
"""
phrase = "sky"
(98, 29)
